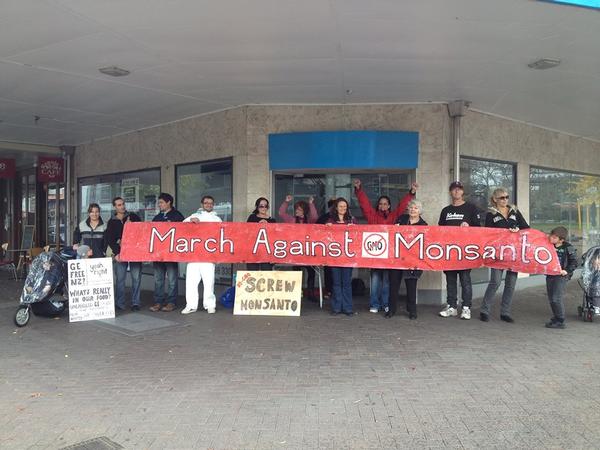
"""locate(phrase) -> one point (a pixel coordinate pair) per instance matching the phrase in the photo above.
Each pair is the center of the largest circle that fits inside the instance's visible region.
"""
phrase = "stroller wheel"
(590, 315)
(22, 315)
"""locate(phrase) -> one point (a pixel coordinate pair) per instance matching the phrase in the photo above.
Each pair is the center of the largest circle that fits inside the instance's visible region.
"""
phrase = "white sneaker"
(211, 310)
(374, 310)
(466, 313)
(597, 310)
(448, 311)
(187, 310)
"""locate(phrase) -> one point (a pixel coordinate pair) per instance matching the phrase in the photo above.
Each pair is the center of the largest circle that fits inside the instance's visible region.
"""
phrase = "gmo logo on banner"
(375, 245)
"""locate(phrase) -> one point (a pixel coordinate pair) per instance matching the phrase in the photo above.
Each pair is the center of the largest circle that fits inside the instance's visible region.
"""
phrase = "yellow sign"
(268, 293)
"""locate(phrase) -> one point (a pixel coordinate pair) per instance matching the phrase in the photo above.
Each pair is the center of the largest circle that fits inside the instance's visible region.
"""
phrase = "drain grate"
(99, 443)
(136, 324)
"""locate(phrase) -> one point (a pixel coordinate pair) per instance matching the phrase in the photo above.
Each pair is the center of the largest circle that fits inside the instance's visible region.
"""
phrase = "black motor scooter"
(45, 292)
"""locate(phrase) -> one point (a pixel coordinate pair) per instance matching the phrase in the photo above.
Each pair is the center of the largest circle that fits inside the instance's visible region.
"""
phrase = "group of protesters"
(105, 239)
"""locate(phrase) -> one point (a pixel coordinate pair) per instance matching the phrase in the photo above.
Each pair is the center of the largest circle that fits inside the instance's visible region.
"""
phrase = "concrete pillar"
(167, 180)
(523, 189)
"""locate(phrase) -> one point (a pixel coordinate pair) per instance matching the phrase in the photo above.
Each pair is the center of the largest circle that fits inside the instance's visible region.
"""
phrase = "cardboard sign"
(91, 295)
(268, 293)
(372, 246)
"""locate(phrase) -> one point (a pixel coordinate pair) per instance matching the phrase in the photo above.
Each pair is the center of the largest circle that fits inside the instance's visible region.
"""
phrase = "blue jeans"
(380, 288)
(169, 269)
(342, 289)
(510, 281)
(135, 269)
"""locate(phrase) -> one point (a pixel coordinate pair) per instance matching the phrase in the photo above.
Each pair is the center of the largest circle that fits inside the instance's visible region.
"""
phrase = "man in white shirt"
(201, 271)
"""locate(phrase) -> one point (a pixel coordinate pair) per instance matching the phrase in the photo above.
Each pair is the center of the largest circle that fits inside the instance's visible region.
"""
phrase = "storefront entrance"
(43, 206)
(325, 186)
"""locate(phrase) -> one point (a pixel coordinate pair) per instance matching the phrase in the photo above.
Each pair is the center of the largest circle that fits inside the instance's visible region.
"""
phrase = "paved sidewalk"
(225, 382)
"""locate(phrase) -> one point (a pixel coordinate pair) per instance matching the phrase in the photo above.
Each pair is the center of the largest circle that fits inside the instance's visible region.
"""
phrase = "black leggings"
(411, 292)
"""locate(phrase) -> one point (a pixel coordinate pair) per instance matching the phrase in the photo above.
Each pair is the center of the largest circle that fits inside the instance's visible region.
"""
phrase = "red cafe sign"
(50, 170)
(8, 168)
(373, 246)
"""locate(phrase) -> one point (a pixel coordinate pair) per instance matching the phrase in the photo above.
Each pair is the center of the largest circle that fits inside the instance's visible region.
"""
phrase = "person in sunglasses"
(260, 215)
(501, 214)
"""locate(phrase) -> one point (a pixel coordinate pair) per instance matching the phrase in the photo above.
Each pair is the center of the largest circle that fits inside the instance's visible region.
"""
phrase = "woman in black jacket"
(411, 276)
(90, 232)
(260, 215)
(501, 215)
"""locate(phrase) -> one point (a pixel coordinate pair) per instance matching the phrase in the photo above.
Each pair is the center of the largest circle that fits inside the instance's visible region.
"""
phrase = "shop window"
(480, 177)
(140, 190)
(214, 178)
(566, 199)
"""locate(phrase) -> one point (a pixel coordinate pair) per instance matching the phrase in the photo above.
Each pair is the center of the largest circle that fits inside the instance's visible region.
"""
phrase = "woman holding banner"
(411, 276)
(381, 215)
(304, 212)
(260, 215)
(341, 301)
(90, 232)
(501, 215)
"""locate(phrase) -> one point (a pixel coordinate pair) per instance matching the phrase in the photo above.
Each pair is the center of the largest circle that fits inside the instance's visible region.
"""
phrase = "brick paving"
(225, 382)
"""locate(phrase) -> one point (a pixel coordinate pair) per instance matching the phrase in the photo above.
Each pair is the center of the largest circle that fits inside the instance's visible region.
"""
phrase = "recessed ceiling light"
(114, 71)
(544, 63)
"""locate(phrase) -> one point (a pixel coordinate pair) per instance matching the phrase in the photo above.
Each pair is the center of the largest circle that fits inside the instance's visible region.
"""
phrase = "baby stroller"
(45, 292)
(590, 284)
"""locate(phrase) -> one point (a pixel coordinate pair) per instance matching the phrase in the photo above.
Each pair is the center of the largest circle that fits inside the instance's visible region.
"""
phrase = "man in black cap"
(459, 214)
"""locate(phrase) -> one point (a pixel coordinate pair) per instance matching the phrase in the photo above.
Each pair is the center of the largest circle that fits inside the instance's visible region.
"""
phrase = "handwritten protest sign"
(268, 293)
(91, 295)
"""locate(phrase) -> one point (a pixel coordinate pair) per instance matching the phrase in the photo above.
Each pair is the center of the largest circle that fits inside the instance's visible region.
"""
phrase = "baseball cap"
(456, 184)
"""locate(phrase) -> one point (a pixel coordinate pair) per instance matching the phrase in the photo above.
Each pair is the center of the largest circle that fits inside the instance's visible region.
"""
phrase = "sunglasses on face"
(263, 206)
(504, 197)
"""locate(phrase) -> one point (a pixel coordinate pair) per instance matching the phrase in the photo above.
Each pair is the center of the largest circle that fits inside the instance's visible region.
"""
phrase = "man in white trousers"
(201, 271)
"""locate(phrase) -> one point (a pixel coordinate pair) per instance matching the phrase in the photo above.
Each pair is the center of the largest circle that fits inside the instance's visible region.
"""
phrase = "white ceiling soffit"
(189, 57)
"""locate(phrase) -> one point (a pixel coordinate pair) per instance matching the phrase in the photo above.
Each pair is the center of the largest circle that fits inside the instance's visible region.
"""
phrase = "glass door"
(27, 204)
(6, 212)
(326, 186)
(55, 222)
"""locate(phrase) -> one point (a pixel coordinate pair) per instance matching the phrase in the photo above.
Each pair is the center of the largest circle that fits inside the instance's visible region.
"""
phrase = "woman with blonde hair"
(501, 214)
(411, 276)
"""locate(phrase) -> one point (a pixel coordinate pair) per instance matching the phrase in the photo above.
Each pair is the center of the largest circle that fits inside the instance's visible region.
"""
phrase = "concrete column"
(523, 189)
(167, 180)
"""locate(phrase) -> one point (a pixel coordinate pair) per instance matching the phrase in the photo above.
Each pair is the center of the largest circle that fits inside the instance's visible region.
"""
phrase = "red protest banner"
(50, 170)
(8, 168)
(382, 246)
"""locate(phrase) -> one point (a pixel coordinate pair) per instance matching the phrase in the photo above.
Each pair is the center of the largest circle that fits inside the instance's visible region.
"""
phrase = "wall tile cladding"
(211, 136)
(430, 120)
(243, 133)
(487, 136)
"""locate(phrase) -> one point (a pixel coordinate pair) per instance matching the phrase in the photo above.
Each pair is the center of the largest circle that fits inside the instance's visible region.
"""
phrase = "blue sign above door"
(344, 150)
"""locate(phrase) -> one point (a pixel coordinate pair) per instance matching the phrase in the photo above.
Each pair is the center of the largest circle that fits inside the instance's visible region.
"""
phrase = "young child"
(556, 284)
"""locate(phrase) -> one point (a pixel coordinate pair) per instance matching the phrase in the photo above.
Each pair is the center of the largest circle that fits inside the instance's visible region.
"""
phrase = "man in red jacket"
(382, 215)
